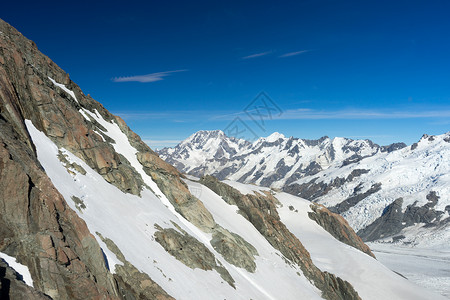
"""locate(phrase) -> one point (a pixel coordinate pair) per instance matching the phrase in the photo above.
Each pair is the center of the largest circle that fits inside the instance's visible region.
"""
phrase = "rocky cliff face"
(36, 225)
(40, 230)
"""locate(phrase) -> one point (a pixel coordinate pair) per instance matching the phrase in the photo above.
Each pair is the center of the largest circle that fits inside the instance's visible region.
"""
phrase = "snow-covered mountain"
(273, 161)
(382, 191)
(389, 194)
(88, 211)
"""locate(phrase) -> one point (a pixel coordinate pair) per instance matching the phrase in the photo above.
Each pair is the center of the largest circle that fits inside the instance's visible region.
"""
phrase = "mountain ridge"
(213, 153)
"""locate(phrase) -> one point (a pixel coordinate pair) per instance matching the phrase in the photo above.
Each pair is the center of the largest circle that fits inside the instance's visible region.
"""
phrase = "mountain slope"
(289, 280)
(94, 213)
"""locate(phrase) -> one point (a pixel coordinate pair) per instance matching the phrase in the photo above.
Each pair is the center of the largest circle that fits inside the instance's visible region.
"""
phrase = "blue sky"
(359, 69)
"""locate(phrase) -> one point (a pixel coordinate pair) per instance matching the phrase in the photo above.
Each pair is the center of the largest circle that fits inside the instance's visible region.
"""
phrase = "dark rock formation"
(393, 147)
(312, 190)
(261, 211)
(169, 181)
(393, 219)
(389, 223)
(355, 198)
(424, 214)
(12, 286)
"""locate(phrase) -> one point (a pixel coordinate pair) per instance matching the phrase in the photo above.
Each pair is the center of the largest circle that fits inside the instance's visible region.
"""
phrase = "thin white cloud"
(294, 53)
(256, 55)
(349, 114)
(378, 136)
(291, 114)
(159, 144)
(162, 141)
(146, 78)
(362, 114)
(176, 116)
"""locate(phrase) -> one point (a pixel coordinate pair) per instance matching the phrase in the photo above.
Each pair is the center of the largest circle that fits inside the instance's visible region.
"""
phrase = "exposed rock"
(393, 219)
(338, 227)
(312, 190)
(234, 249)
(352, 159)
(424, 214)
(132, 283)
(261, 211)
(41, 231)
(169, 181)
(79, 204)
(393, 147)
(12, 286)
(190, 251)
(390, 223)
(70, 166)
(355, 198)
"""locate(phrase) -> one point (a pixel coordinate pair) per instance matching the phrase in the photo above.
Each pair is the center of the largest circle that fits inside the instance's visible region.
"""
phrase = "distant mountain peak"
(275, 137)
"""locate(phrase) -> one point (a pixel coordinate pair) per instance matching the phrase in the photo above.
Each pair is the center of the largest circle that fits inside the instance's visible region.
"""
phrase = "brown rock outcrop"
(338, 227)
(42, 232)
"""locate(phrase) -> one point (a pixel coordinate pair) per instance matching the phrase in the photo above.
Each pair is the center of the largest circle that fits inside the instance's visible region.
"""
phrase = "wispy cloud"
(294, 53)
(363, 114)
(161, 143)
(290, 114)
(347, 114)
(156, 144)
(176, 116)
(256, 55)
(146, 78)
